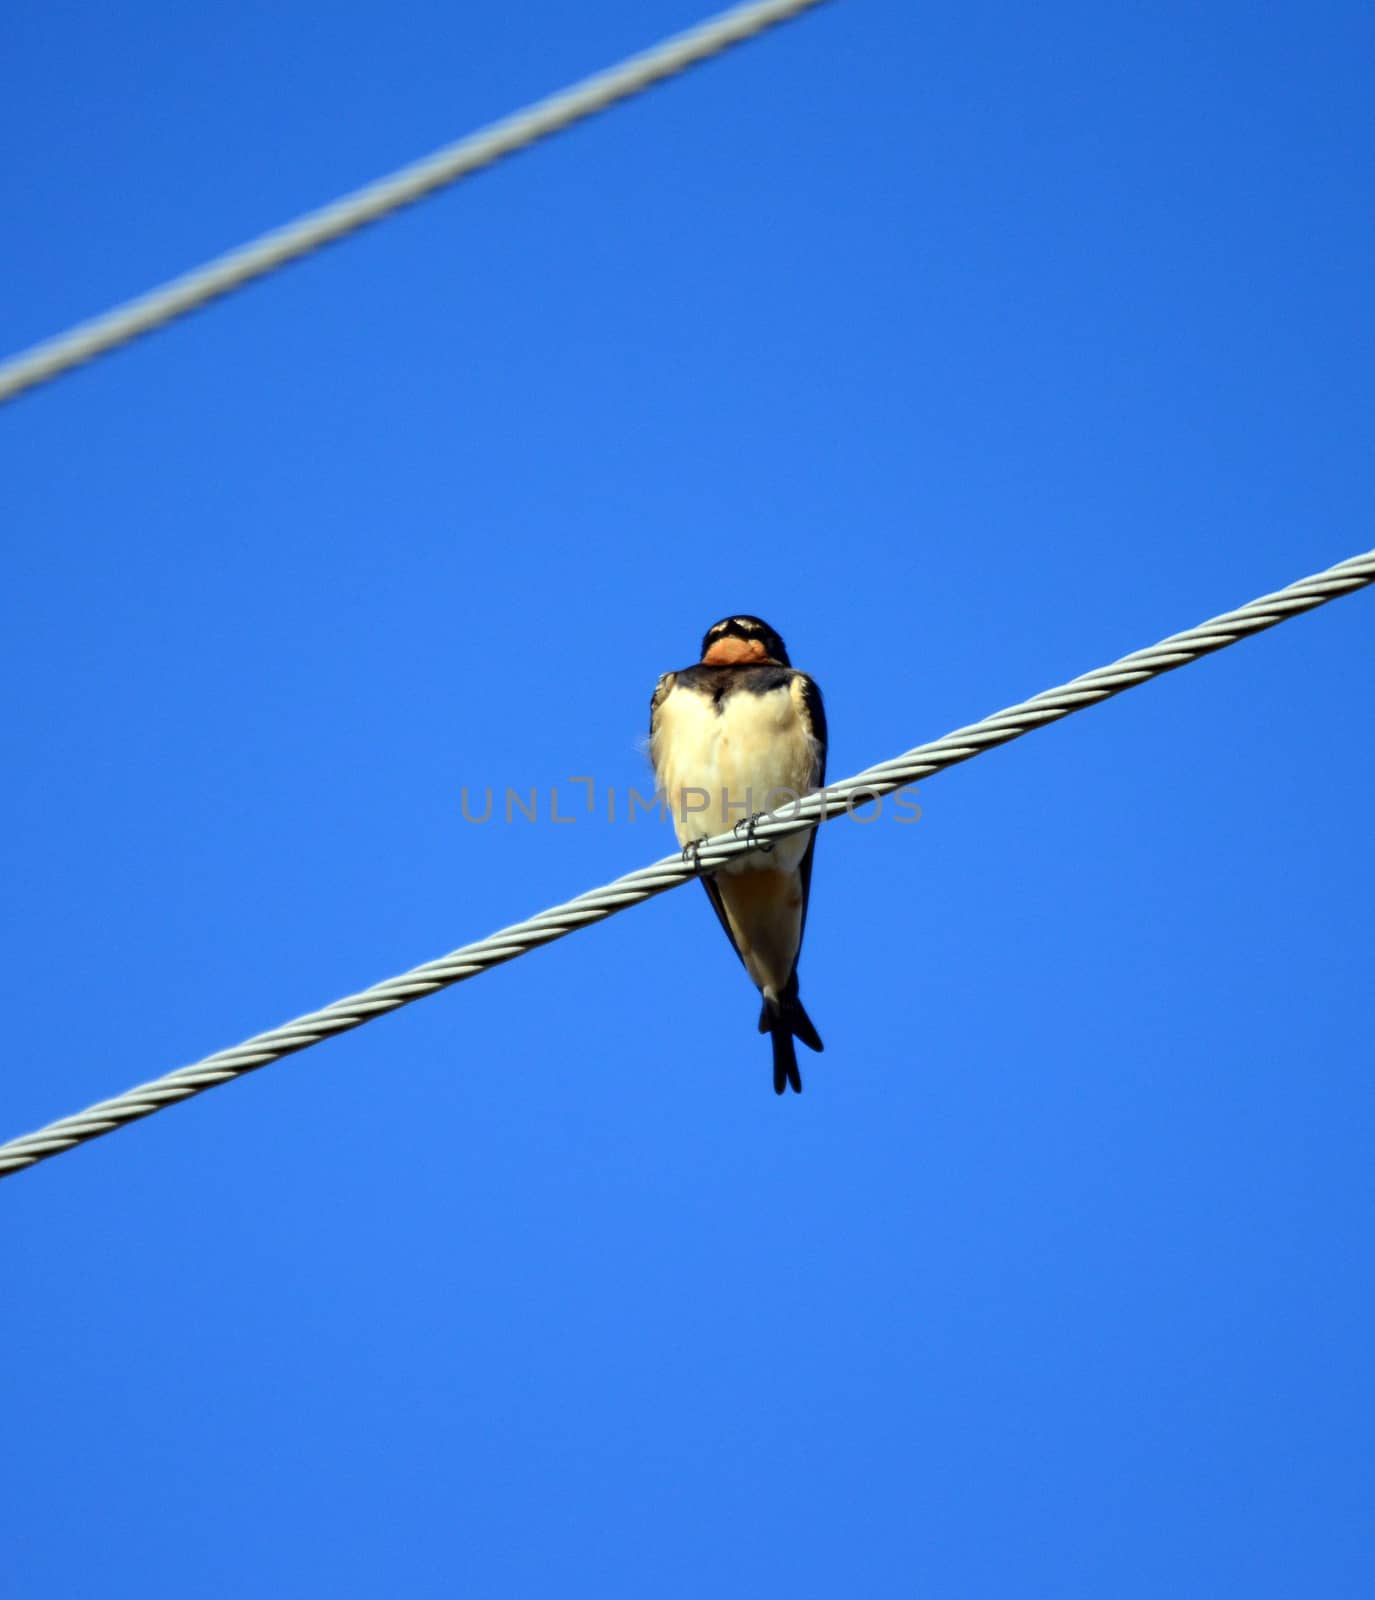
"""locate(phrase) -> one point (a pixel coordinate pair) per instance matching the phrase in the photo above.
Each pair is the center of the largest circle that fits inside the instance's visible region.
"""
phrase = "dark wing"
(661, 690)
(714, 895)
(816, 715)
(657, 699)
(661, 693)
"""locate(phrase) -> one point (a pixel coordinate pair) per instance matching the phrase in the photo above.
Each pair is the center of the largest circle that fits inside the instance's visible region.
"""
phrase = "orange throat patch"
(729, 652)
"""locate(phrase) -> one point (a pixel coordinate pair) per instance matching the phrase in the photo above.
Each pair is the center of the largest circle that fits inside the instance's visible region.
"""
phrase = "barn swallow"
(736, 735)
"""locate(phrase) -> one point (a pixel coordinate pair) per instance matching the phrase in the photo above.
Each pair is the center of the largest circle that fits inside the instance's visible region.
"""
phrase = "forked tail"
(784, 1020)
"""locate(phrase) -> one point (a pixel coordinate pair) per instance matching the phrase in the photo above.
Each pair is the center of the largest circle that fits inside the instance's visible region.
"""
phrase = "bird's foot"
(692, 854)
(749, 824)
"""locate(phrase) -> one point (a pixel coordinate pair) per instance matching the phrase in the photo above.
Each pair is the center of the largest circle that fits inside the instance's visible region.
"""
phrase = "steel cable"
(83, 343)
(922, 762)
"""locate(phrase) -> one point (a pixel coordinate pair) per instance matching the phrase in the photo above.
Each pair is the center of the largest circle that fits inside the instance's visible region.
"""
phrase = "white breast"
(717, 766)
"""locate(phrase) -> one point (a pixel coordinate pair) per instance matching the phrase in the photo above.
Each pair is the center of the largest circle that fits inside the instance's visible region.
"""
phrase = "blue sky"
(971, 346)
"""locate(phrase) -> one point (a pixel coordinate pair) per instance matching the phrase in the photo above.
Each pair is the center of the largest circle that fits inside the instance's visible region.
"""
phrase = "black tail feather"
(784, 1019)
(785, 1062)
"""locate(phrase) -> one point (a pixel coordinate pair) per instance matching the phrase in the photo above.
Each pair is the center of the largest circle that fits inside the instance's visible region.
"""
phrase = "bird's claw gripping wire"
(749, 824)
(692, 854)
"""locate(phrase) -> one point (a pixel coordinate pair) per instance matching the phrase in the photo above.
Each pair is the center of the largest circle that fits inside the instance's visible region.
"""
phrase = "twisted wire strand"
(595, 905)
(231, 271)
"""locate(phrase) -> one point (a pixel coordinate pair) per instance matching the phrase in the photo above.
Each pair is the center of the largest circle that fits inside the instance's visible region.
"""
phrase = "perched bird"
(736, 735)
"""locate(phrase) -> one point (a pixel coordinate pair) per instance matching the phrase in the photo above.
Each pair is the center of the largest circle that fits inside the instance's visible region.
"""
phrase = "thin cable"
(597, 904)
(272, 250)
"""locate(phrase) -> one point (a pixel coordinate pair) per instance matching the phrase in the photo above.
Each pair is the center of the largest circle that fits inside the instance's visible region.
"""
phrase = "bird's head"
(742, 641)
